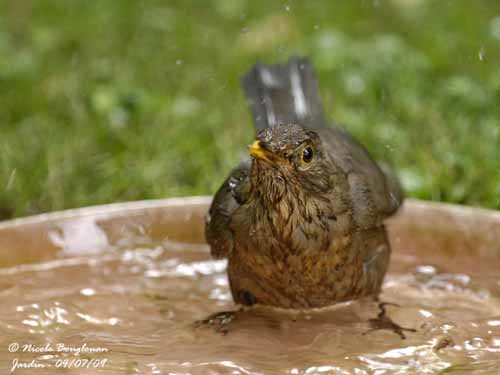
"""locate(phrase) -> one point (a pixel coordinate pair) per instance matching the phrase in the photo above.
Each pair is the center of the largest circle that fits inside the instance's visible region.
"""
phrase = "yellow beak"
(257, 151)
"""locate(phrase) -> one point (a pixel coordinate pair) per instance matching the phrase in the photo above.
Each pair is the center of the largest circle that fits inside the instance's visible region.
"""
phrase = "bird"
(301, 220)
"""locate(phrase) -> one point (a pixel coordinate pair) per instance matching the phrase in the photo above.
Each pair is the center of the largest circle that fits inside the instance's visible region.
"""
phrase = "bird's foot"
(219, 321)
(382, 321)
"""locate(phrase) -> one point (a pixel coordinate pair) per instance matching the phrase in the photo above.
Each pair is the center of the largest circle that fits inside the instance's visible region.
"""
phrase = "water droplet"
(481, 54)
(316, 27)
(425, 313)
(87, 292)
(287, 8)
(428, 270)
(11, 179)
(179, 62)
(30, 322)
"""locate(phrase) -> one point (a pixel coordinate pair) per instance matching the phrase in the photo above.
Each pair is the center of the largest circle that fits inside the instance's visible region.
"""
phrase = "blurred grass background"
(104, 101)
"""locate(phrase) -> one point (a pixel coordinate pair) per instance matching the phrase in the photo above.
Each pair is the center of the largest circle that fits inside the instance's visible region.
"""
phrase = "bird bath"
(123, 285)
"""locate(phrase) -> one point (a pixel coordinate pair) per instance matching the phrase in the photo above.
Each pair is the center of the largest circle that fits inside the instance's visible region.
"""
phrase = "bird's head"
(288, 159)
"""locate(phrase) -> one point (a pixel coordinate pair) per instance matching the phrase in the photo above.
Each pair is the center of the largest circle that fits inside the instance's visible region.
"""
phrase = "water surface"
(139, 304)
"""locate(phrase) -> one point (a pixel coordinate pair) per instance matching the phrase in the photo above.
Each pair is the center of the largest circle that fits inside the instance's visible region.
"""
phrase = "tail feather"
(281, 94)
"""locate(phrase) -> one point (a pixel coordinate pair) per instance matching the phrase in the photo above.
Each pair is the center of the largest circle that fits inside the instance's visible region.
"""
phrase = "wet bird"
(302, 221)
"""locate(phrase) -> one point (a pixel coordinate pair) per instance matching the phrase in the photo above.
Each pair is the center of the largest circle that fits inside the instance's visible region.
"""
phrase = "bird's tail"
(281, 94)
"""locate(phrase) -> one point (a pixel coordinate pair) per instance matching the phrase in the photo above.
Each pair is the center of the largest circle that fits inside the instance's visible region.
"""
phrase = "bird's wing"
(375, 195)
(232, 193)
(284, 94)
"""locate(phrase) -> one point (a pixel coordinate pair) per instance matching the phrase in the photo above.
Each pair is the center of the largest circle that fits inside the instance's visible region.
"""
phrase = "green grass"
(104, 101)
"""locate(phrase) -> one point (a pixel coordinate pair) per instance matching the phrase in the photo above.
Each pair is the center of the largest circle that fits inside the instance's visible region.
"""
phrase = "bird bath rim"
(122, 207)
(420, 228)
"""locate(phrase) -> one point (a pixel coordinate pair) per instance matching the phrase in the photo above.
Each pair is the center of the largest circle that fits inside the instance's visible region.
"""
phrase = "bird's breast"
(293, 225)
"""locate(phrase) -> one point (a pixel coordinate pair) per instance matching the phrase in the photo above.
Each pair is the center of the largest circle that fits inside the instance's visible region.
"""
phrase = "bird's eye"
(307, 155)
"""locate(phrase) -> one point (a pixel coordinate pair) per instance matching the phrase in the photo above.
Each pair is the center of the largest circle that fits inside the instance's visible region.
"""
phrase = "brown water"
(138, 305)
